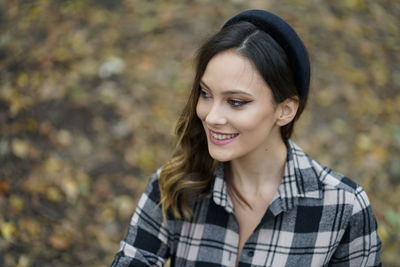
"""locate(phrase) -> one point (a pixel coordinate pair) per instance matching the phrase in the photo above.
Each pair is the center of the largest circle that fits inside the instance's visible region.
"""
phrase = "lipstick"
(219, 138)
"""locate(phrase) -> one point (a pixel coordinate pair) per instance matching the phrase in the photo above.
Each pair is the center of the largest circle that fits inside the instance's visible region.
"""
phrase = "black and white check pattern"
(317, 218)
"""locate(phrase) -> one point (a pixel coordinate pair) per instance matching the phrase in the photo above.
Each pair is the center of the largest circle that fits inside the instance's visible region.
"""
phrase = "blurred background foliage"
(90, 91)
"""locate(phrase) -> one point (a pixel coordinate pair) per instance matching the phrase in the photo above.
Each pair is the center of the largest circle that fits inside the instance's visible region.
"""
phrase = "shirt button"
(250, 253)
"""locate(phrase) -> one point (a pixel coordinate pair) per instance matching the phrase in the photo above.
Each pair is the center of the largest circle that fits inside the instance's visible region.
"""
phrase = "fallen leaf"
(59, 241)
(4, 187)
(8, 230)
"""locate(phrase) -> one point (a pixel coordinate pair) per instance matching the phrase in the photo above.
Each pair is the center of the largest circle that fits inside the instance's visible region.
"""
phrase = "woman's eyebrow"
(228, 92)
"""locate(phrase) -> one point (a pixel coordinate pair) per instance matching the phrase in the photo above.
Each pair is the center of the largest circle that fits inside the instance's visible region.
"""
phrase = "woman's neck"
(254, 173)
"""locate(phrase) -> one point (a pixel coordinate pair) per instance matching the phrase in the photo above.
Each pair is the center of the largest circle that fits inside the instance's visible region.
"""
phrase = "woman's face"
(237, 109)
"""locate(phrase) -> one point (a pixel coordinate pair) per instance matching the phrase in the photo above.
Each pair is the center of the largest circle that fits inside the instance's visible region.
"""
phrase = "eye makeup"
(233, 102)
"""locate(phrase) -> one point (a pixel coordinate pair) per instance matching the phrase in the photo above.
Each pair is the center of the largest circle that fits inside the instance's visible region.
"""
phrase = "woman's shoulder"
(341, 189)
(329, 180)
(152, 190)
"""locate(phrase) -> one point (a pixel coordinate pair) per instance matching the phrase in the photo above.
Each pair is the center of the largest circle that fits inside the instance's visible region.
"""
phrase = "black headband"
(287, 38)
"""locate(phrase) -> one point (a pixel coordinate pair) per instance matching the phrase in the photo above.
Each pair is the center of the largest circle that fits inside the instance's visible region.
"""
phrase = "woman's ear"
(287, 111)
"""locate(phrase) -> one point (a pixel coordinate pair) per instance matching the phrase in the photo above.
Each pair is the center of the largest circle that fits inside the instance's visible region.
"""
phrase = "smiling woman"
(226, 113)
(238, 191)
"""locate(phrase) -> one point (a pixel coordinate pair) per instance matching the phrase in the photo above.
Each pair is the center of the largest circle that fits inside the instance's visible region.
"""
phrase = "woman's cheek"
(246, 119)
(201, 109)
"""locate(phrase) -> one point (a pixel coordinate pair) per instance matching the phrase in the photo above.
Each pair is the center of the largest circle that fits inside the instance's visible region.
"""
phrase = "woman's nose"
(216, 116)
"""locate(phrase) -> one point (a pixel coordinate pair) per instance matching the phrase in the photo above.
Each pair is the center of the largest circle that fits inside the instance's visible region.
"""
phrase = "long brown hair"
(188, 175)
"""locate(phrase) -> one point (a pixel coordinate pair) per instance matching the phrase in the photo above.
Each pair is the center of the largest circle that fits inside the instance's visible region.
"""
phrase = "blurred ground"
(90, 91)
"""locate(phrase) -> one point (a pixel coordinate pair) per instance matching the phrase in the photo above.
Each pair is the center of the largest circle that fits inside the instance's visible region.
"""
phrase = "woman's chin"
(221, 156)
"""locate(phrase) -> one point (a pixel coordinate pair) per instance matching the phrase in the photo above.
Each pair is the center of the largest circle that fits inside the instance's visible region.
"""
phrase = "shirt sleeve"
(146, 243)
(360, 245)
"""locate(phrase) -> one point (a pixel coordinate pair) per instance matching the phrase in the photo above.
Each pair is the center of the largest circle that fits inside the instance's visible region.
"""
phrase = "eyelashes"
(204, 93)
(236, 103)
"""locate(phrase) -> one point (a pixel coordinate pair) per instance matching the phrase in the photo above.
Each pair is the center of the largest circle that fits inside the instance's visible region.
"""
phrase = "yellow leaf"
(31, 227)
(364, 142)
(107, 214)
(383, 232)
(20, 148)
(8, 230)
(16, 202)
(381, 153)
(70, 188)
(22, 79)
(18, 102)
(23, 261)
(125, 206)
(53, 194)
(355, 4)
(53, 165)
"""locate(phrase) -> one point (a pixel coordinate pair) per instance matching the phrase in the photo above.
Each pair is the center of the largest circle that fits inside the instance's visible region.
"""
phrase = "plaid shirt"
(317, 218)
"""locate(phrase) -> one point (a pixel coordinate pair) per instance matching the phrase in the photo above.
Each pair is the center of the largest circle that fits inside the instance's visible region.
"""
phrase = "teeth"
(223, 136)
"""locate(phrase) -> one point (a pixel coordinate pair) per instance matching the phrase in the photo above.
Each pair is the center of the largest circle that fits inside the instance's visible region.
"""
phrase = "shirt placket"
(251, 254)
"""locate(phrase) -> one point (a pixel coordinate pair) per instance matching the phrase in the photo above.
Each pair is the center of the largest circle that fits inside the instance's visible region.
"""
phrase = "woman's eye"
(204, 94)
(237, 103)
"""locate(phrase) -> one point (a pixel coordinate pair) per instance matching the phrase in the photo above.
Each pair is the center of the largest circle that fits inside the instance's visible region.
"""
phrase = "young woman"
(238, 191)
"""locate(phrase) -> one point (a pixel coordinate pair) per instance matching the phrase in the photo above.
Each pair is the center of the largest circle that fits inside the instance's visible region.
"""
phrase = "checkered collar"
(300, 180)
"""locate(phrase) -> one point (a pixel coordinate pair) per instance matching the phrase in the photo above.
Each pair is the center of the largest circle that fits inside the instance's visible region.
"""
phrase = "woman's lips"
(218, 138)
